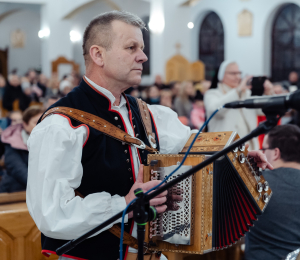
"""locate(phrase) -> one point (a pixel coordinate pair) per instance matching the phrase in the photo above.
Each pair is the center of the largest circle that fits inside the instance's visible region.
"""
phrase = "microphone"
(291, 100)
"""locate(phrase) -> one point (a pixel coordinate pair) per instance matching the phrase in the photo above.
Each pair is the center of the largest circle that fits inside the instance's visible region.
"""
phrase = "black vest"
(107, 166)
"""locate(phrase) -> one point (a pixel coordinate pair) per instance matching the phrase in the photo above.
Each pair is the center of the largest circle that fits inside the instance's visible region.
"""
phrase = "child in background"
(198, 111)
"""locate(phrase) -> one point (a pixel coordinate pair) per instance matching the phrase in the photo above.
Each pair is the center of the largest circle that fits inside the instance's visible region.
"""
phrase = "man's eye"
(131, 48)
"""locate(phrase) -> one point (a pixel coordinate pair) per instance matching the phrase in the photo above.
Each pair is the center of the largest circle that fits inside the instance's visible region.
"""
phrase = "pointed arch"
(211, 43)
(286, 42)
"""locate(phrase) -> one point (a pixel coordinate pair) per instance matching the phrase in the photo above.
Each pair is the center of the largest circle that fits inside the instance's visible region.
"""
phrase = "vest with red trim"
(107, 166)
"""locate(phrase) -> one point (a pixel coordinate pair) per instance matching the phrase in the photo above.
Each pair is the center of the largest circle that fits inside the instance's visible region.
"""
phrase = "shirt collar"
(107, 94)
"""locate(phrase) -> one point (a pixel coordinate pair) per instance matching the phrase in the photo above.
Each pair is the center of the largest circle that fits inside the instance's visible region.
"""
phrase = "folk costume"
(66, 155)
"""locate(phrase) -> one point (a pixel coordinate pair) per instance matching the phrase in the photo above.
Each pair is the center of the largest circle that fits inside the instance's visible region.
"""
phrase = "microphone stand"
(273, 116)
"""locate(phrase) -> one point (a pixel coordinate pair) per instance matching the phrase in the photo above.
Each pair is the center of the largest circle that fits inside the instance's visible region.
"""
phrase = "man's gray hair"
(99, 30)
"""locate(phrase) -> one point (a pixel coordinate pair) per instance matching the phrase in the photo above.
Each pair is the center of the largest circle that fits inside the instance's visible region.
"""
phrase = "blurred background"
(256, 42)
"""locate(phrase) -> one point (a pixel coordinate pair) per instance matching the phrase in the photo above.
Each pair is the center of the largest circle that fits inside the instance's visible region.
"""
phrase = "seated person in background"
(232, 87)
(51, 100)
(166, 97)
(183, 103)
(198, 111)
(13, 92)
(153, 95)
(2, 86)
(16, 152)
(65, 87)
(277, 232)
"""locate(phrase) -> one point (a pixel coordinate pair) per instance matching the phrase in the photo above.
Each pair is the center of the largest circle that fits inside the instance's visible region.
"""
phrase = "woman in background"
(232, 87)
(16, 152)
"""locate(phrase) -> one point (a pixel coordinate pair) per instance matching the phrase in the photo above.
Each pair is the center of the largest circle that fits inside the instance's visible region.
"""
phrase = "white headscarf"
(223, 68)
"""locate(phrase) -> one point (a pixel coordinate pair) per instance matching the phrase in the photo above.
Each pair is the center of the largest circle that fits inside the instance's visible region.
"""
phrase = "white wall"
(30, 55)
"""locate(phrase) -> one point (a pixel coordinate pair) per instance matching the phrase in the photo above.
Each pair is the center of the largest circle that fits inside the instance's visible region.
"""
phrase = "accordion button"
(242, 158)
(259, 187)
(242, 147)
(116, 118)
(235, 149)
(266, 186)
(130, 178)
(129, 169)
(119, 126)
(125, 151)
(127, 160)
(136, 135)
(266, 198)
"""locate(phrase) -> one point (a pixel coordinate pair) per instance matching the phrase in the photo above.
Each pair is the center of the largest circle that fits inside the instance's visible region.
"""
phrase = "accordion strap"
(100, 125)
(116, 230)
(146, 119)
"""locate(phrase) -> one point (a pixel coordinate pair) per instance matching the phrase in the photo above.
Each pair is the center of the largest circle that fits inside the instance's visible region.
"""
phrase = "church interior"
(199, 51)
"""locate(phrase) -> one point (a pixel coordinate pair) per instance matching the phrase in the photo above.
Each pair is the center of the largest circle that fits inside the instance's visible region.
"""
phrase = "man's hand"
(260, 159)
(157, 201)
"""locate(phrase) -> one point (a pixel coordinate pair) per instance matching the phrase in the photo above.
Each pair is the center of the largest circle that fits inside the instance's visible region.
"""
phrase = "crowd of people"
(194, 102)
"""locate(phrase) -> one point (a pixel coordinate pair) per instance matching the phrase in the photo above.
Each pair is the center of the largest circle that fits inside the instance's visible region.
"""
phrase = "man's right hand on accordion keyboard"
(157, 201)
(260, 159)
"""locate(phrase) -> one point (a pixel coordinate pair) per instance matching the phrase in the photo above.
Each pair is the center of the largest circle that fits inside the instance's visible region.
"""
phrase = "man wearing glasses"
(277, 233)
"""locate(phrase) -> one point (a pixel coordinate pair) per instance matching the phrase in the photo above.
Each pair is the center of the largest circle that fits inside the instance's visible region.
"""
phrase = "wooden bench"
(20, 239)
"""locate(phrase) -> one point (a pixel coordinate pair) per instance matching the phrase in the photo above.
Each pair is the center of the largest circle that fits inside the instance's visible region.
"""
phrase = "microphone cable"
(165, 179)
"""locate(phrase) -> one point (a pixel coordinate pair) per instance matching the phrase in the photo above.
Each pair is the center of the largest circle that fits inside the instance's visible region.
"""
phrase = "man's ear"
(277, 154)
(97, 54)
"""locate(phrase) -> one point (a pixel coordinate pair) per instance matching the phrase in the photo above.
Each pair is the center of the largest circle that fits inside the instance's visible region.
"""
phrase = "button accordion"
(217, 205)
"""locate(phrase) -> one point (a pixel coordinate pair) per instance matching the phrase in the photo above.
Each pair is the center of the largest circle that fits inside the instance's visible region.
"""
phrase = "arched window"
(286, 42)
(211, 43)
(146, 38)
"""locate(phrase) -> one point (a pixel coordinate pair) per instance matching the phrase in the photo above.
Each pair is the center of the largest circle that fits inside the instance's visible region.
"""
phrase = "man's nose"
(142, 57)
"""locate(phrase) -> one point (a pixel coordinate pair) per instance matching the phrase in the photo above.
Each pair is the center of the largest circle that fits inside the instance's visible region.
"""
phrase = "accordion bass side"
(215, 207)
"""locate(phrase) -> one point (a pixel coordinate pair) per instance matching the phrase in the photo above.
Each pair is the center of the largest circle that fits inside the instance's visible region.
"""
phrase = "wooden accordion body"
(220, 202)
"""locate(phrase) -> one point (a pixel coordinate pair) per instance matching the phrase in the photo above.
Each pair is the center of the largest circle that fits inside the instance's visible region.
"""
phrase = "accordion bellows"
(218, 204)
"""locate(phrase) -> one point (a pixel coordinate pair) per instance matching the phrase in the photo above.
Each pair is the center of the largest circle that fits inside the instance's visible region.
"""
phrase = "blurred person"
(51, 100)
(166, 98)
(13, 92)
(65, 87)
(279, 88)
(76, 78)
(175, 87)
(159, 82)
(13, 118)
(198, 111)
(16, 117)
(16, 152)
(42, 83)
(232, 87)
(53, 85)
(2, 86)
(277, 232)
(294, 79)
(183, 103)
(153, 95)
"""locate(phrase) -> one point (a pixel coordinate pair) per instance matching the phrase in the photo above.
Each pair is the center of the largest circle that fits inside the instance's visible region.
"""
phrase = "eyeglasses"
(234, 73)
(264, 149)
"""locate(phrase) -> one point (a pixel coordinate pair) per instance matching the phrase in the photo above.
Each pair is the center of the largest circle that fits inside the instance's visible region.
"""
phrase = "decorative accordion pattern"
(174, 226)
(219, 203)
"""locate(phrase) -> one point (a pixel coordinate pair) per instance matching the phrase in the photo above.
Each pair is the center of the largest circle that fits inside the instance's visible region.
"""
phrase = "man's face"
(123, 61)
(270, 153)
